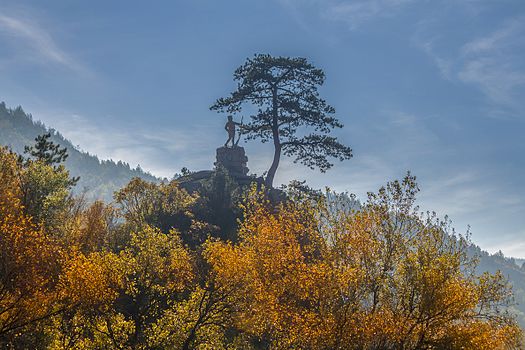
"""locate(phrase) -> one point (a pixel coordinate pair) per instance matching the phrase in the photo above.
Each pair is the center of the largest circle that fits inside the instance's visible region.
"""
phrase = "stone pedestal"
(233, 159)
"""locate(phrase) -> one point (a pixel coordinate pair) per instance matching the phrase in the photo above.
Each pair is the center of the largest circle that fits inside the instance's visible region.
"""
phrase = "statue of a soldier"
(230, 128)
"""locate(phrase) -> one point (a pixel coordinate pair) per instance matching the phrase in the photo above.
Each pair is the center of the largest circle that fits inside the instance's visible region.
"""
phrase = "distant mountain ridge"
(99, 178)
(511, 269)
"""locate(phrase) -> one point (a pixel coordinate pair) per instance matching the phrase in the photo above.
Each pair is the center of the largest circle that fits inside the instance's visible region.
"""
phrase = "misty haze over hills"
(98, 178)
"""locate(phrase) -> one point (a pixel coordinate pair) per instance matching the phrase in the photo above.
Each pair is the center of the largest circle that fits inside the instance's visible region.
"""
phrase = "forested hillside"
(99, 177)
(510, 269)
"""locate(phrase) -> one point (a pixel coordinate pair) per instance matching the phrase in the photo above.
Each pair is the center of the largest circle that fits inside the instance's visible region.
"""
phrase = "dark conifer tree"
(288, 111)
(46, 150)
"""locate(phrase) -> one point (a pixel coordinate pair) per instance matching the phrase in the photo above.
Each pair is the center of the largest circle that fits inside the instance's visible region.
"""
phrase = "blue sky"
(432, 86)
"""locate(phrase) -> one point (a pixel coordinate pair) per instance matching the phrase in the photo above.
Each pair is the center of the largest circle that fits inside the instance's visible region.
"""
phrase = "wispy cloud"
(353, 13)
(444, 65)
(492, 63)
(25, 34)
(506, 35)
(498, 80)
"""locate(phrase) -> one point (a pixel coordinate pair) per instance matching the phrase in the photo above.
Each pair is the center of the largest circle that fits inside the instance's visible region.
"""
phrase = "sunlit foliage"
(150, 272)
(384, 277)
(29, 260)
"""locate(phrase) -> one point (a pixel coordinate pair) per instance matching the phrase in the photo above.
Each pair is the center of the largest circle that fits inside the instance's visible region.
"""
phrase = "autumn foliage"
(380, 278)
(151, 271)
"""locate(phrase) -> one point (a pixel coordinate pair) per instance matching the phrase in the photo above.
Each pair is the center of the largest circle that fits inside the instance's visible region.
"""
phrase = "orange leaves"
(153, 261)
(301, 276)
(29, 260)
(477, 334)
(10, 191)
(276, 272)
(357, 281)
(94, 226)
(29, 263)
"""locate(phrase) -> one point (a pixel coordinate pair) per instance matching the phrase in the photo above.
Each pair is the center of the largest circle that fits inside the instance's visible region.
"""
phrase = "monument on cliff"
(232, 157)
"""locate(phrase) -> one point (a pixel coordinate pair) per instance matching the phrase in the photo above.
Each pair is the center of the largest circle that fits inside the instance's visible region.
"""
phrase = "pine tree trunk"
(276, 142)
(273, 169)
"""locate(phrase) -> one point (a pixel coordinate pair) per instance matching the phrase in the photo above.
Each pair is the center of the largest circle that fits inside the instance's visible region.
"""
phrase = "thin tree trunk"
(276, 142)
(271, 172)
(189, 340)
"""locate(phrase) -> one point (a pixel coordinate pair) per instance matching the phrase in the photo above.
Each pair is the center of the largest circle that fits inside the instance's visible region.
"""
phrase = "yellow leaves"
(275, 272)
(161, 260)
(84, 331)
(153, 259)
(93, 280)
(29, 260)
(121, 293)
(368, 285)
(146, 203)
(10, 191)
(299, 277)
(478, 334)
(45, 192)
(195, 323)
